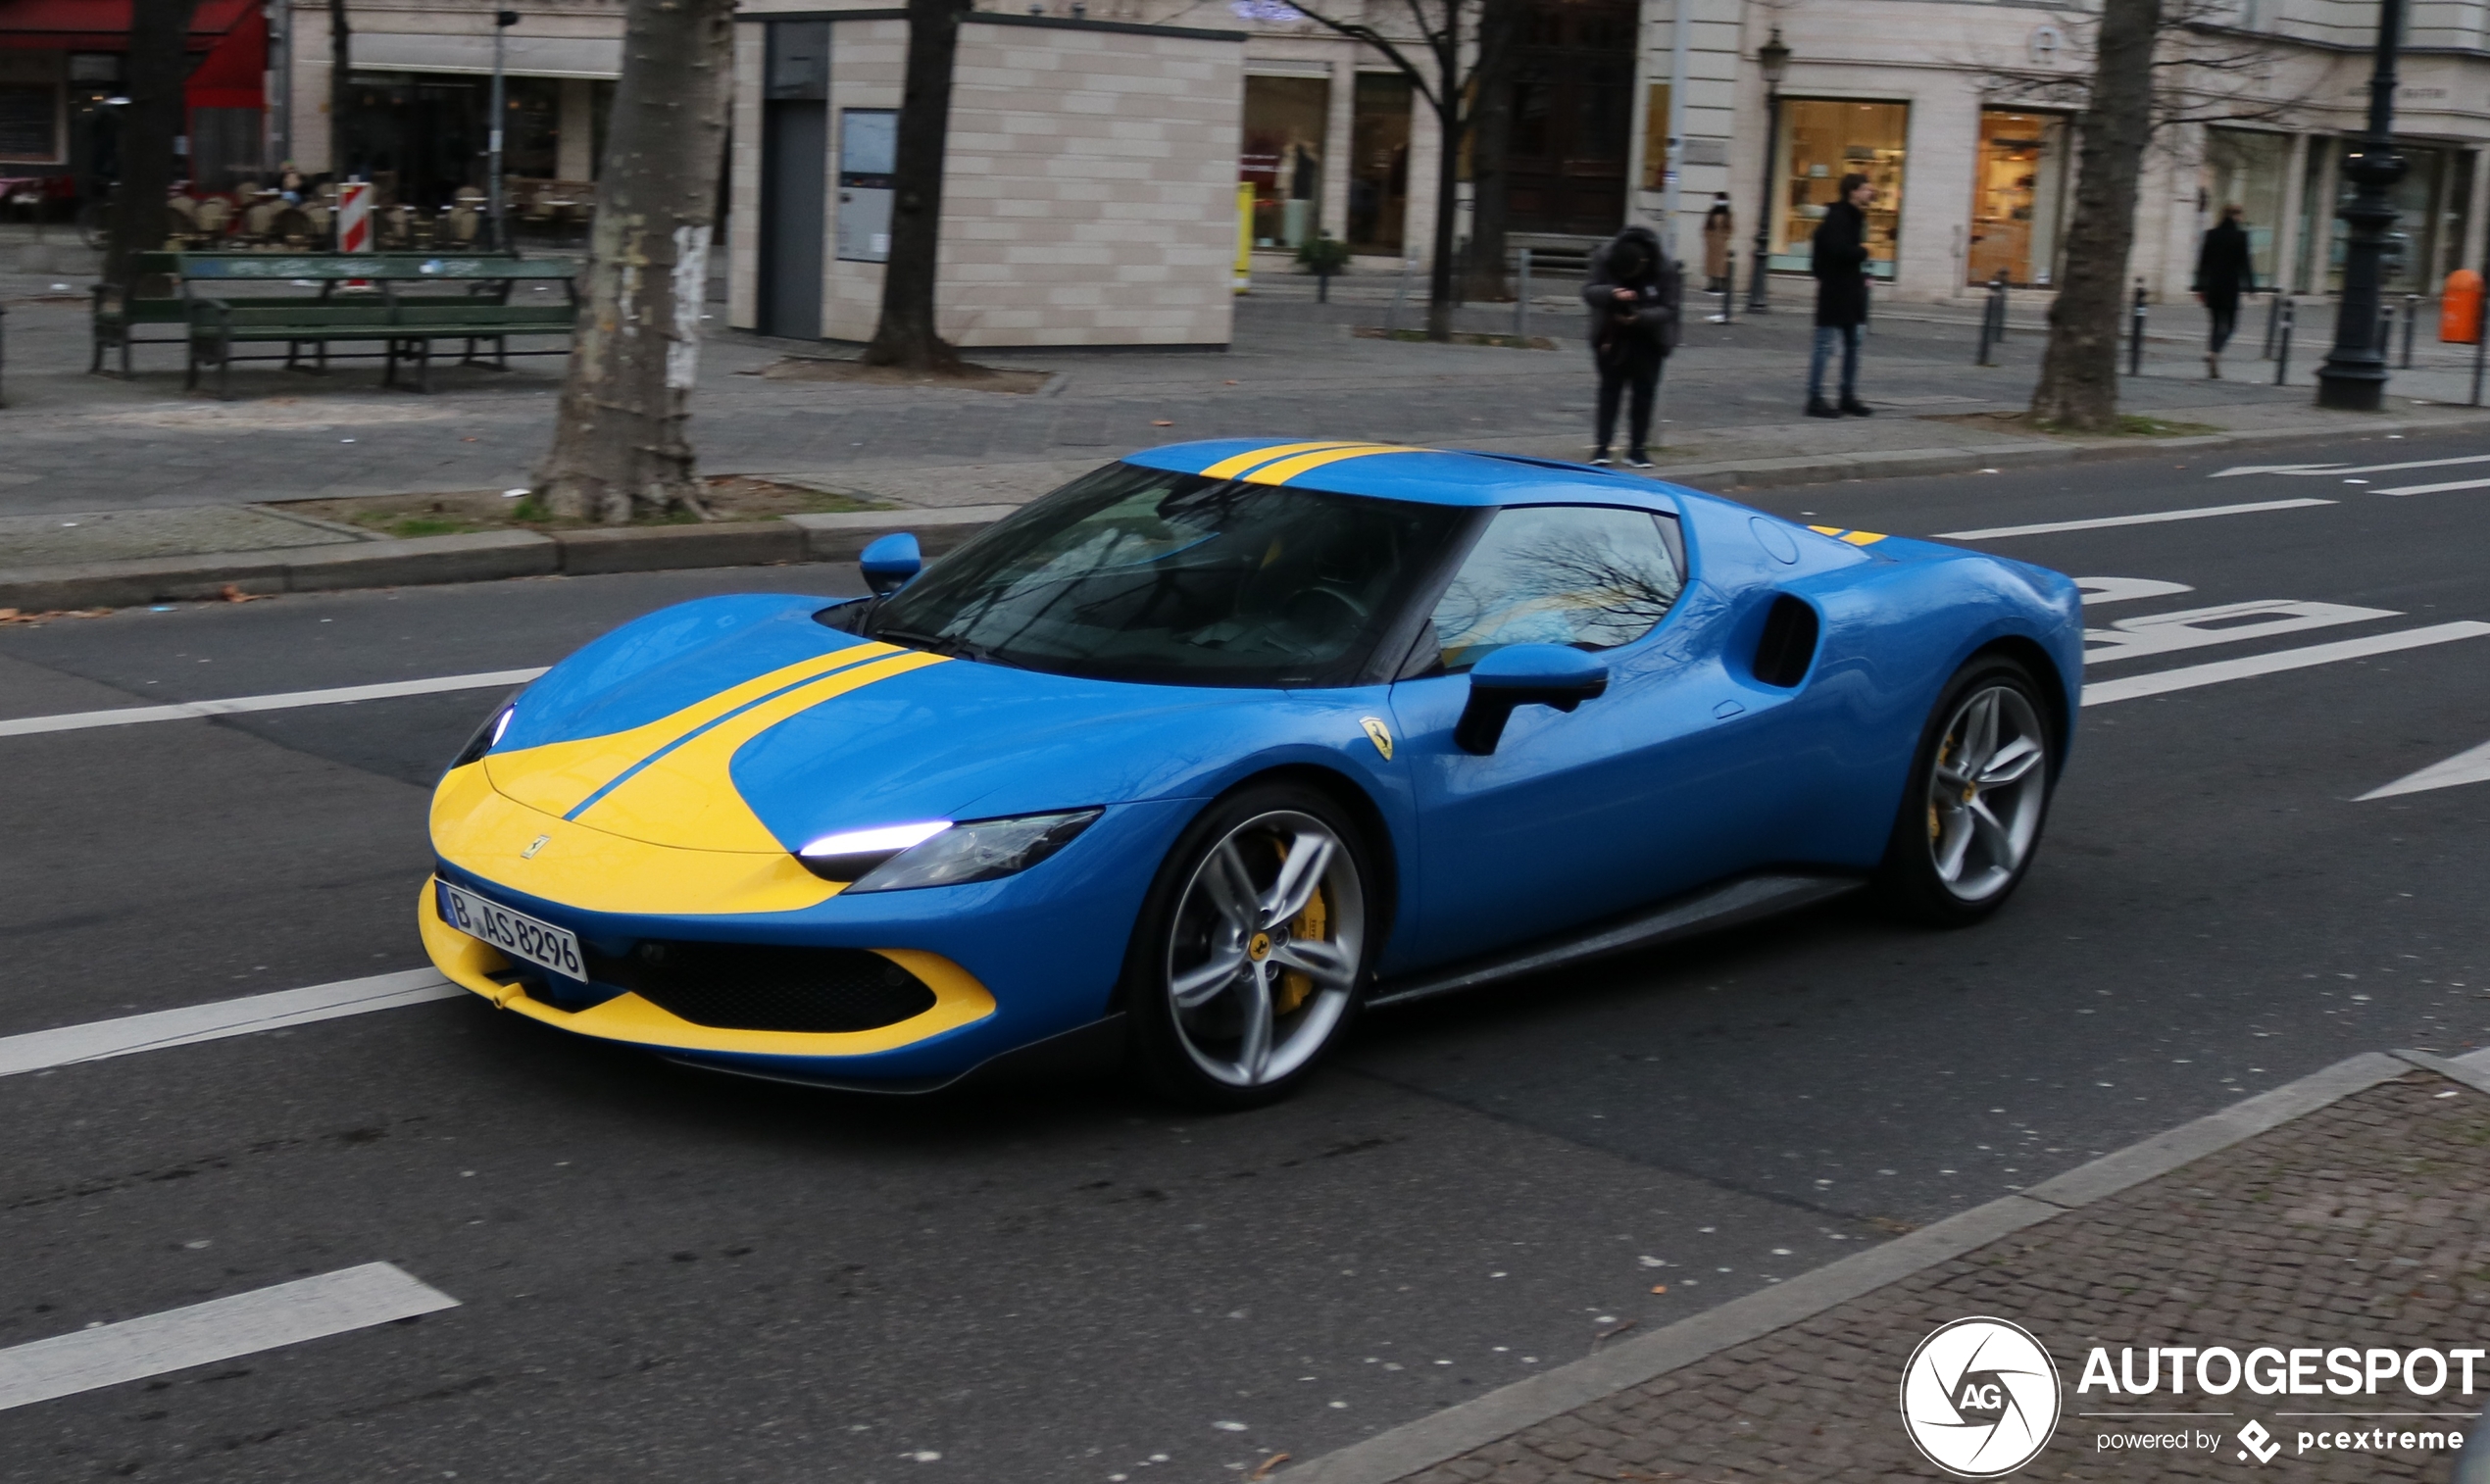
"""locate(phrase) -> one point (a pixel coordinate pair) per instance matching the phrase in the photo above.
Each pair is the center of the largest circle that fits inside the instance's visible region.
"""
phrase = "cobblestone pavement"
(2365, 1223)
(81, 443)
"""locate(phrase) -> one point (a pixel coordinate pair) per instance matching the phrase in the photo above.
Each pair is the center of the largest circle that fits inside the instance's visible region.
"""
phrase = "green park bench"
(402, 302)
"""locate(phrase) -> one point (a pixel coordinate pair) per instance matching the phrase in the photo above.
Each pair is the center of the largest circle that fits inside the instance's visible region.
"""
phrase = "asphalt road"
(666, 1275)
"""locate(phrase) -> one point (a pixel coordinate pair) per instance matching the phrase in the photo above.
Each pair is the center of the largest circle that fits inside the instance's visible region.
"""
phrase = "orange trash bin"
(2459, 312)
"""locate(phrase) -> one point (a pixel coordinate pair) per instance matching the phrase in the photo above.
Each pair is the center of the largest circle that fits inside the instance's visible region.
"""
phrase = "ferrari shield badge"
(1378, 734)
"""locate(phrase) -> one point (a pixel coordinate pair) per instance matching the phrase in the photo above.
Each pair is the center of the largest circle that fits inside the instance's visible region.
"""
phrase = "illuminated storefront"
(2018, 199)
(1823, 139)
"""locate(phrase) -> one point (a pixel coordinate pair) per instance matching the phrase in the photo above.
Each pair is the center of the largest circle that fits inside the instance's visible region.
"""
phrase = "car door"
(1642, 792)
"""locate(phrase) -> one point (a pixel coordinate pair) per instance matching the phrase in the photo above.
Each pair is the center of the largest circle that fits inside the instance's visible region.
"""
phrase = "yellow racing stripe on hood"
(1289, 469)
(1229, 469)
(557, 777)
(684, 797)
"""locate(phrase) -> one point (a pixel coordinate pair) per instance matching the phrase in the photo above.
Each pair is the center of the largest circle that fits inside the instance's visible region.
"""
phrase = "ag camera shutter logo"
(1979, 1398)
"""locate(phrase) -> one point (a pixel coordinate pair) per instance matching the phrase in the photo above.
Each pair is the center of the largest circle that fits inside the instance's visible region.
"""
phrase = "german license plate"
(513, 932)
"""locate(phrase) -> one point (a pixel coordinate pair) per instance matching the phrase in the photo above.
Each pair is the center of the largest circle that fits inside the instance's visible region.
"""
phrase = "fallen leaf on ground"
(14, 615)
(1162, 422)
(234, 594)
(1613, 1331)
(1660, 1288)
(1269, 1463)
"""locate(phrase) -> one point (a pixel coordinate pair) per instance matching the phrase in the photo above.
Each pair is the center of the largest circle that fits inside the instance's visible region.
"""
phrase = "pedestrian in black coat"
(1633, 292)
(1839, 262)
(2224, 270)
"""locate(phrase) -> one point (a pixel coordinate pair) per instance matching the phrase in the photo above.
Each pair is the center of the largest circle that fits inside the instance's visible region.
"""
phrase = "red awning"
(103, 26)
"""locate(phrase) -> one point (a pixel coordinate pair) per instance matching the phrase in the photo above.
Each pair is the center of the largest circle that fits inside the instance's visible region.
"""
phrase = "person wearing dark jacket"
(2224, 271)
(1633, 291)
(1839, 262)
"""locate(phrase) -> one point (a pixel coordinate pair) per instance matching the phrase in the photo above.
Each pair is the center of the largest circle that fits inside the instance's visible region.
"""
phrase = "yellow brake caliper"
(1314, 922)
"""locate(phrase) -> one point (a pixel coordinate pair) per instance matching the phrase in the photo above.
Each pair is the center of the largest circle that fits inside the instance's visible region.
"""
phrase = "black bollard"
(2135, 333)
(2411, 317)
(2282, 346)
(2274, 322)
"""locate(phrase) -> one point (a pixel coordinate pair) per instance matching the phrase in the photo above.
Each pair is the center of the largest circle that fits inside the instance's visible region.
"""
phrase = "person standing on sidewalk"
(1839, 263)
(1719, 234)
(1633, 291)
(2224, 271)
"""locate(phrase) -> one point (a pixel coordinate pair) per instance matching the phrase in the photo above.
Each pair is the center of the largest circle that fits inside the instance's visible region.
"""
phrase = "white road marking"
(2468, 767)
(2100, 590)
(97, 1040)
(221, 1329)
(2346, 468)
(2188, 677)
(2103, 522)
(188, 711)
(2222, 624)
(2435, 489)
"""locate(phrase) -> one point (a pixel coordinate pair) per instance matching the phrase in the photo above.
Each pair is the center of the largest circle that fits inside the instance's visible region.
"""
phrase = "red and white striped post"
(354, 222)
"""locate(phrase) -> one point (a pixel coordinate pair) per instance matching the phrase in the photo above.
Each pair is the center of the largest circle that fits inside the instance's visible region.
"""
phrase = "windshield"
(1137, 573)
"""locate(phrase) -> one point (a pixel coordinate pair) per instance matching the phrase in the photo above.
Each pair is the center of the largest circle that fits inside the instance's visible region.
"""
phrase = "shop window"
(1284, 125)
(30, 114)
(2244, 168)
(1379, 161)
(531, 127)
(1823, 139)
(2018, 199)
(2431, 219)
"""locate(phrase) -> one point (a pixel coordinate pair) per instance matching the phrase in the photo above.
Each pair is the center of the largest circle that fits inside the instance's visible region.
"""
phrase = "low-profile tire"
(1978, 794)
(1252, 951)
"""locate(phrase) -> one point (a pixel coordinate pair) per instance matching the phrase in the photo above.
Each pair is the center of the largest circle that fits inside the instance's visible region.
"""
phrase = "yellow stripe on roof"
(1826, 530)
(1229, 469)
(1865, 537)
(1289, 469)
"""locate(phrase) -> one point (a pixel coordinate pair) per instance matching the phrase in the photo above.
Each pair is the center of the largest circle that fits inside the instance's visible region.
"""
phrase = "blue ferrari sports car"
(1222, 744)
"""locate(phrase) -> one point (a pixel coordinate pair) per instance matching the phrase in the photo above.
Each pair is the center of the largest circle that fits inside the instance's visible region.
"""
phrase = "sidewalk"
(102, 470)
(2350, 1208)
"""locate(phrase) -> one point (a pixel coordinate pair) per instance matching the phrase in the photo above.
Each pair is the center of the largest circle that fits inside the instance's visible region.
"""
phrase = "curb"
(1428, 1441)
(482, 556)
(1963, 459)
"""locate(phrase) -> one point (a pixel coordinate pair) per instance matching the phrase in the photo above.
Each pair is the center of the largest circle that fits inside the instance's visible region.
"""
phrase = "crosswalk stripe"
(220, 1329)
(2103, 522)
(192, 711)
(156, 1030)
(2188, 677)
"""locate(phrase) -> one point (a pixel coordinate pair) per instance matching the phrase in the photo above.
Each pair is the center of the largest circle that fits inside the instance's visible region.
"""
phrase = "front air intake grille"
(751, 986)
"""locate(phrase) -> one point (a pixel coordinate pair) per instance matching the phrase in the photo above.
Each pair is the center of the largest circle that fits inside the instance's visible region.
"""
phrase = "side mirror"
(890, 562)
(1524, 674)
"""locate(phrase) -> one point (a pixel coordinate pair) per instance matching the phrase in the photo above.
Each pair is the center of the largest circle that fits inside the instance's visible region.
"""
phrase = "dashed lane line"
(2436, 489)
(221, 1329)
(97, 1040)
(2472, 765)
(2152, 518)
(192, 711)
(2188, 677)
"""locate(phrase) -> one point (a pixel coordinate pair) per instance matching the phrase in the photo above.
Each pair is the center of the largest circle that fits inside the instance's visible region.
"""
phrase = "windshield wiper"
(943, 644)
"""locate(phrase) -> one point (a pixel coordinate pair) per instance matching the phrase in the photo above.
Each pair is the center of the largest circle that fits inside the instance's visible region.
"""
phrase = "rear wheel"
(1251, 950)
(1971, 821)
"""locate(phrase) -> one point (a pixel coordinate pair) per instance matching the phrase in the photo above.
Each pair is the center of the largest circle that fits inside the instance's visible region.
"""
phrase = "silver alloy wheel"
(1986, 792)
(1265, 949)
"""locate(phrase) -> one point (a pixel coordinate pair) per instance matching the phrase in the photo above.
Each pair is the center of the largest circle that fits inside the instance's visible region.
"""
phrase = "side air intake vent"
(1789, 642)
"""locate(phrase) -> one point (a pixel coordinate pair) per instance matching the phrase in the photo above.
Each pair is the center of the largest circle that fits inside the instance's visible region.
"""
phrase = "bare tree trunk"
(157, 30)
(342, 64)
(2078, 386)
(905, 335)
(1491, 141)
(1449, 120)
(620, 447)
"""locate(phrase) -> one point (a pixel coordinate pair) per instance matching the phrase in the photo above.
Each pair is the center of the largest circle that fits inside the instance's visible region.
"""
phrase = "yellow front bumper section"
(959, 1000)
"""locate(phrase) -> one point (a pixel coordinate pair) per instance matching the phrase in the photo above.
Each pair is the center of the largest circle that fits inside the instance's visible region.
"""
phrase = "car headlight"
(940, 852)
(487, 736)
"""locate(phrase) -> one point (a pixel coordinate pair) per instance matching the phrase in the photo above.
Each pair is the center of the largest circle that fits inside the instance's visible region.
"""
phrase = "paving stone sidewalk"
(2366, 1222)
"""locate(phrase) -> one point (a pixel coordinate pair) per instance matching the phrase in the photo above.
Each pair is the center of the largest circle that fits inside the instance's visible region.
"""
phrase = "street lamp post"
(1774, 60)
(503, 21)
(2354, 376)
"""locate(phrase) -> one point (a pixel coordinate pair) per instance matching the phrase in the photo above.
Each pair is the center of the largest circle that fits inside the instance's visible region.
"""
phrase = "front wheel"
(1970, 819)
(1251, 950)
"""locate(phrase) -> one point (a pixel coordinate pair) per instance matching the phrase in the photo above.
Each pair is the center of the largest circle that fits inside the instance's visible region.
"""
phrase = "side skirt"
(1724, 905)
